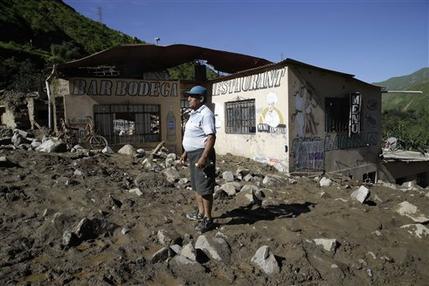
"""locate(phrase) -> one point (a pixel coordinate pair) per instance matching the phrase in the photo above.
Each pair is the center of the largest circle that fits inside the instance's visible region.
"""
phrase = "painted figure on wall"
(305, 123)
(271, 115)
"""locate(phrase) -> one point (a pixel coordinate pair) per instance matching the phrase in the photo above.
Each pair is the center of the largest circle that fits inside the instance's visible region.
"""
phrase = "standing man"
(198, 142)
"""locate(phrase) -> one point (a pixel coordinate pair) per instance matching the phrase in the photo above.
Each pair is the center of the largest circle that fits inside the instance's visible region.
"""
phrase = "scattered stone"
(325, 182)
(418, 230)
(266, 260)
(127, 150)
(107, 150)
(125, 230)
(35, 144)
(70, 239)
(231, 188)
(176, 248)
(327, 244)
(407, 209)
(247, 178)
(184, 267)
(228, 176)
(272, 180)
(136, 191)
(189, 252)
(361, 194)
(6, 163)
(52, 145)
(217, 248)
(167, 238)
(161, 255)
(77, 173)
(171, 174)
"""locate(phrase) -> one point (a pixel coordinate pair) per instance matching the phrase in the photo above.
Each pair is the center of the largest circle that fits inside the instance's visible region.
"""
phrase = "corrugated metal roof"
(150, 58)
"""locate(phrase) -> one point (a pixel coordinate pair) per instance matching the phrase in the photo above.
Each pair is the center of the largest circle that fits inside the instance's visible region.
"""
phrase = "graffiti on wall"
(308, 154)
(305, 121)
(343, 141)
(271, 120)
(355, 111)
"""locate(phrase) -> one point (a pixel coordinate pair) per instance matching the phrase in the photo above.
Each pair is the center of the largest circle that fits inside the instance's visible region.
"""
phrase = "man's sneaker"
(205, 225)
(195, 215)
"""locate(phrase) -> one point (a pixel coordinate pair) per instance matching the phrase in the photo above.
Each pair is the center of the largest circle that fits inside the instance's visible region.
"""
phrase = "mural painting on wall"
(305, 122)
(308, 154)
(271, 119)
(355, 111)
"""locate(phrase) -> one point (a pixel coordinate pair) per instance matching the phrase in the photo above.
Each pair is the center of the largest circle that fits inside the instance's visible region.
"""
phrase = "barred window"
(337, 114)
(240, 117)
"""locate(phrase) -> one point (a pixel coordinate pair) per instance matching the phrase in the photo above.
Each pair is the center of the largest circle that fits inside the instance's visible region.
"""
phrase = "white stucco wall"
(270, 142)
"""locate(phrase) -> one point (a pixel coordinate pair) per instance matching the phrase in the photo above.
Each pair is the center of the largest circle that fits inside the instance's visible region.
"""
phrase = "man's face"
(194, 102)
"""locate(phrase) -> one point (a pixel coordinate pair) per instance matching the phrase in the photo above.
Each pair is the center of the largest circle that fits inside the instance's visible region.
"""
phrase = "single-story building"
(300, 118)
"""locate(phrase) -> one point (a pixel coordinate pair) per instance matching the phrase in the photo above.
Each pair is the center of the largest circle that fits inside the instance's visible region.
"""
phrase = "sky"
(374, 40)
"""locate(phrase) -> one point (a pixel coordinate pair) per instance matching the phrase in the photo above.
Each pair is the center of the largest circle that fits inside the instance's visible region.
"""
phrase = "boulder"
(189, 252)
(418, 230)
(266, 260)
(171, 174)
(127, 150)
(184, 267)
(361, 194)
(247, 178)
(217, 248)
(52, 145)
(407, 209)
(325, 182)
(231, 188)
(327, 244)
(167, 238)
(228, 176)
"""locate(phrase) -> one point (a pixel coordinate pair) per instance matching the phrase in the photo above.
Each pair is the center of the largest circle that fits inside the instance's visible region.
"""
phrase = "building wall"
(81, 94)
(313, 148)
(269, 89)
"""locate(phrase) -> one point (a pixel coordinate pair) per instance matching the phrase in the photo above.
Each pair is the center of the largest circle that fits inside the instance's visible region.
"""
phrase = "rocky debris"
(407, 209)
(184, 267)
(325, 182)
(107, 150)
(6, 163)
(250, 195)
(327, 244)
(231, 188)
(161, 255)
(136, 191)
(361, 194)
(127, 149)
(176, 248)
(167, 238)
(52, 145)
(228, 176)
(87, 229)
(217, 248)
(411, 186)
(272, 180)
(171, 174)
(189, 252)
(265, 259)
(248, 178)
(418, 230)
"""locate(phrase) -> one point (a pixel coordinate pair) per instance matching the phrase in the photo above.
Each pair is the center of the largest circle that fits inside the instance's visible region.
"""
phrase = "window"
(337, 114)
(240, 117)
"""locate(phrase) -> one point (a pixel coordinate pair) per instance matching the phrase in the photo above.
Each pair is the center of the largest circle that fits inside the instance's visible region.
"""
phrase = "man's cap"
(197, 90)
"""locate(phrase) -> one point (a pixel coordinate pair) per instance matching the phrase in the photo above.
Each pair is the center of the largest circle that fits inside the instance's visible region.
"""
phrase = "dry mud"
(43, 196)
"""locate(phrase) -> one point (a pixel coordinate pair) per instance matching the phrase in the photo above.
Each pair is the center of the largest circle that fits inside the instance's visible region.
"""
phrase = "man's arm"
(211, 139)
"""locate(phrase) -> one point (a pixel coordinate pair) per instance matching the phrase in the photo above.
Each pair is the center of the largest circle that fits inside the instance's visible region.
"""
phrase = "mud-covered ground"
(45, 196)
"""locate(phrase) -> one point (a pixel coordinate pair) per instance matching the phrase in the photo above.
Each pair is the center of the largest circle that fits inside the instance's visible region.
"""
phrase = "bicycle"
(90, 138)
(94, 140)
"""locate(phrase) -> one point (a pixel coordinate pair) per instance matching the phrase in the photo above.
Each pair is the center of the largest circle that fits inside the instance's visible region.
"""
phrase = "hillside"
(418, 80)
(406, 116)
(36, 34)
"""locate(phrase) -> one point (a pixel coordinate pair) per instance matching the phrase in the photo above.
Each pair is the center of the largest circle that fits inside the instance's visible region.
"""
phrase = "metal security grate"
(337, 114)
(240, 117)
(122, 123)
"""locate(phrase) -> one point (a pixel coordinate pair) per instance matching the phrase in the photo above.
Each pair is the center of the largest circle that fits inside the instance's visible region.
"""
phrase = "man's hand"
(201, 162)
(183, 158)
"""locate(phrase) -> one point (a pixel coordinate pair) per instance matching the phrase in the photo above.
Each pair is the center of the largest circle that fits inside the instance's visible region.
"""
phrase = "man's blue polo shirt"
(201, 123)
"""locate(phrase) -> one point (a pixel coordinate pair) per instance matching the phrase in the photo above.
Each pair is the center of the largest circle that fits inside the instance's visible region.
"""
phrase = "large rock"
(189, 252)
(327, 244)
(217, 248)
(52, 145)
(417, 230)
(325, 182)
(361, 194)
(272, 180)
(228, 176)
(171, 174)
(167, 238)
(161, 255)
(249, 194)
(407, 209)
(127, 150)
(107, 150)
(266, 260)
(184, 267)
(231, 188)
